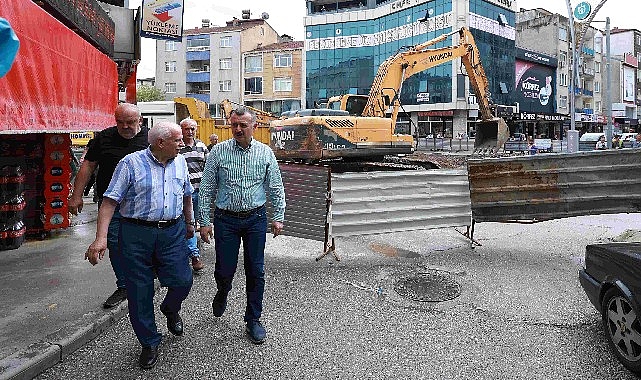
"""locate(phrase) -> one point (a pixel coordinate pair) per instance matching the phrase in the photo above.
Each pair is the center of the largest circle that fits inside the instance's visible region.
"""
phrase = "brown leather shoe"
(197, 264)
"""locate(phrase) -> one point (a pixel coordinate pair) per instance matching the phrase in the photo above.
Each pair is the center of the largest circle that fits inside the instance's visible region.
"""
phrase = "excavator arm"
(395, 70)
(262, 117)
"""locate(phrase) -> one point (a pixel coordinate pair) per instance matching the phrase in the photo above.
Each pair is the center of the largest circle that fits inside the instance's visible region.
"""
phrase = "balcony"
(198, 77)
(201, 97)
(197, 56)
(588, 71)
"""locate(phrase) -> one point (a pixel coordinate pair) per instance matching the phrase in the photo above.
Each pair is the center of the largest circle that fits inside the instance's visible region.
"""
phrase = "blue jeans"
(228, 233)
(115, 256)
(146, 250)
(193, 242)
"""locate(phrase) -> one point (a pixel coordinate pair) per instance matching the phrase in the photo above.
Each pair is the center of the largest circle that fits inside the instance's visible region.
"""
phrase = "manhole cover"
(431, 286)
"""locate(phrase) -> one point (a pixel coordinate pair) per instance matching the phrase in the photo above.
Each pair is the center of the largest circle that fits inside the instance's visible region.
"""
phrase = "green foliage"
(146, 93)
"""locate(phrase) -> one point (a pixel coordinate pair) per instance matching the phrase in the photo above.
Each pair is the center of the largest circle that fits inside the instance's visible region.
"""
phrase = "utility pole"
(608, 83)
(573, 134)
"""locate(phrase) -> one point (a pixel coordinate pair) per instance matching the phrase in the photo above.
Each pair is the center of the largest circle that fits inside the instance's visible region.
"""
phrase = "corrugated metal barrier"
(552, 186)
(382, 202)
(306, 189)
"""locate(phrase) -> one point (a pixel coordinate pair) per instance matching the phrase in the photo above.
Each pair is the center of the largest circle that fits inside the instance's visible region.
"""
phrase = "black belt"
(151, 223)
(240, 214)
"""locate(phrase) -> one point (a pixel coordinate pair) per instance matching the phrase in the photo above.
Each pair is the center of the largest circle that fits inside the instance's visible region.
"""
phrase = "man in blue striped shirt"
(239, 174)
(154, 193)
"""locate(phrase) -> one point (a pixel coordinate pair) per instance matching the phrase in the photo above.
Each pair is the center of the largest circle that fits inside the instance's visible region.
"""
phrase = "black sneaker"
(119, 295)
(256, 332)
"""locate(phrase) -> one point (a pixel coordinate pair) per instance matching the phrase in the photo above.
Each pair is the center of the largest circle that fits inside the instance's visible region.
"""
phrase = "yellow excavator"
(358, 126)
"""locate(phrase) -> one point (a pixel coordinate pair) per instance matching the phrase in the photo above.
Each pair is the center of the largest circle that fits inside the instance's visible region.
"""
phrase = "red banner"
(58, 82)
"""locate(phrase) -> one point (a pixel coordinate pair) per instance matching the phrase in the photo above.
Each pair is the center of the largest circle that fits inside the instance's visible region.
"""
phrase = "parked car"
(612, 281)
(587, 141)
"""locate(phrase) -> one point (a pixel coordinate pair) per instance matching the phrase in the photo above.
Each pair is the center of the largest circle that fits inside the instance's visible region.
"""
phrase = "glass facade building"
(346, 44)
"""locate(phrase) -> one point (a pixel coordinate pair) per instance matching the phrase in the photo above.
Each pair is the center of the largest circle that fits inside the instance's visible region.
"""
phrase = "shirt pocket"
(178, 187)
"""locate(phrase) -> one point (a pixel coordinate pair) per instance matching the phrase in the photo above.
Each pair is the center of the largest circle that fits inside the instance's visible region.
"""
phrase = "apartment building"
(625, 47)
(207, 64)
(347, 40)
(542, 32)
(272, 76)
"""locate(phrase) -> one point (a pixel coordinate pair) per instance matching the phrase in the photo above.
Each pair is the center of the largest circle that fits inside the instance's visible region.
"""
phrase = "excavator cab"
(491, 135)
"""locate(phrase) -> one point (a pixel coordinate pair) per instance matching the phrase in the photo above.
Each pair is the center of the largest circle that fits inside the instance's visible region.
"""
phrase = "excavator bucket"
(491, 135)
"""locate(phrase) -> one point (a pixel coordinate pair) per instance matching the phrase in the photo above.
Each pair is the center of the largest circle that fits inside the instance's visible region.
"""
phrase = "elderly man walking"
(154, 193)
(195, 153)
(107, 148)
(238, 175)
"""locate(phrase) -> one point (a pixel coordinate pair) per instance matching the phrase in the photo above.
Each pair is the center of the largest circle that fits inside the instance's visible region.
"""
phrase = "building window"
(597, 67)
(225, 64)
(563, 58)
(563, 101)
(225, 41)
(563, 79)
(198, 43)
(224, 85)
(170, 67)
(171, 45)
(597, 106)
(597, 86)
(253, 86)
(598, 43)
(283, 84)
(563, 34)
(170, 88)
(254, 64)
(283, 60)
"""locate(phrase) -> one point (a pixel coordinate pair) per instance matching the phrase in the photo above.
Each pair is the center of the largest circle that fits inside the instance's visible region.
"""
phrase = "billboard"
(162, 19)
(535, 87)
(628, 84)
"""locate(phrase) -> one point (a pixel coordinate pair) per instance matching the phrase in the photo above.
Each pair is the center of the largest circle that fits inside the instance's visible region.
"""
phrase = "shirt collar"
(240, 147)
(153, 159)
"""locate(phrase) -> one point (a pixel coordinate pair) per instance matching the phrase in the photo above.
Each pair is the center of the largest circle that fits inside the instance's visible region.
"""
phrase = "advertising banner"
(535, 86)
(628, 84)
(162, 19)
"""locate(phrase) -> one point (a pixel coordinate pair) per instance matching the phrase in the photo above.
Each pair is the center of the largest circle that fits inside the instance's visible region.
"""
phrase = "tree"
(146, 93)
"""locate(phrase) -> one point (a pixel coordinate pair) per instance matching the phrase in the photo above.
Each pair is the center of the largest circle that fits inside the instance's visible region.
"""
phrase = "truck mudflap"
(491, 135)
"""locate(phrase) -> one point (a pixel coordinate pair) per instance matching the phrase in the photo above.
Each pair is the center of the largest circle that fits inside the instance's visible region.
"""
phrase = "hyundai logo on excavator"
(440, 56)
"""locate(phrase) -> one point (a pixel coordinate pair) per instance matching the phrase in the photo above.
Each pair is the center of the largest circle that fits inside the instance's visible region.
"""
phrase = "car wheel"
(622, 328)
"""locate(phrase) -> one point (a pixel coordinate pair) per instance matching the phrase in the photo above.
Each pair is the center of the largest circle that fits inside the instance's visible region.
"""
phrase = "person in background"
(195, 153)
(601, 144)
(213, 140)
(532, 148)
(239, 174)
(616, 142)
(108, 147)
(153, 190)
(637, 141)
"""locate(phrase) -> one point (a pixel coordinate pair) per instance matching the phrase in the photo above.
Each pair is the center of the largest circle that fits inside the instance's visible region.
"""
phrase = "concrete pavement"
(51, 301)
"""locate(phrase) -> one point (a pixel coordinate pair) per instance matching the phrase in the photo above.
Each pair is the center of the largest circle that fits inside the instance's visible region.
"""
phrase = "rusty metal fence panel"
(552, 186)
(382, 202)
(306, 189)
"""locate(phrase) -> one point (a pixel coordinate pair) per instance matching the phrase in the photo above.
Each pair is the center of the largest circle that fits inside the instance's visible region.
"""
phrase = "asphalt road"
(521, 313)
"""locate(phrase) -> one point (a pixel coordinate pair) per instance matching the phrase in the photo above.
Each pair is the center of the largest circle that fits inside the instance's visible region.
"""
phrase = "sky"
(286, 17)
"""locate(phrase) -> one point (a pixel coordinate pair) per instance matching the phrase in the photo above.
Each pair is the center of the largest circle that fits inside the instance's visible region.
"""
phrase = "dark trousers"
(145, 250)
(228, 233)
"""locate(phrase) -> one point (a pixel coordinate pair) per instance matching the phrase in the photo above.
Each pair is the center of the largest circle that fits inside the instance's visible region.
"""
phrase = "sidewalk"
(52, 298)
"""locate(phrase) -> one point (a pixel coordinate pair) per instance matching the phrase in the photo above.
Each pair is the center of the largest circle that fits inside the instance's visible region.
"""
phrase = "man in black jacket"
(107, 149)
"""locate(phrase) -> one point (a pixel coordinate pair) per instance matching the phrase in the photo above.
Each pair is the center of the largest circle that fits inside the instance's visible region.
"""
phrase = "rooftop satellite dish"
(264, 15)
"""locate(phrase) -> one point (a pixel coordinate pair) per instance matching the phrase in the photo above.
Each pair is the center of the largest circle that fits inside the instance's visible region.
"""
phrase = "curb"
(38, 357)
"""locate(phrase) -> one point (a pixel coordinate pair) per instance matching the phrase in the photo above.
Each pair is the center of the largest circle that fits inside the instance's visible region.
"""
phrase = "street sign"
(582, 10)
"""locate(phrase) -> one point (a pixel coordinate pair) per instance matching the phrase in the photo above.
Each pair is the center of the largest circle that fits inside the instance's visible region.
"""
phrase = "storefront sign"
(436, 113)
(526, 55)
(423, 97)
(545, 117)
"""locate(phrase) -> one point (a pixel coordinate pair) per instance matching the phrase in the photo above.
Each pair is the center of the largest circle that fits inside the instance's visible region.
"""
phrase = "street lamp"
(583, 12)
